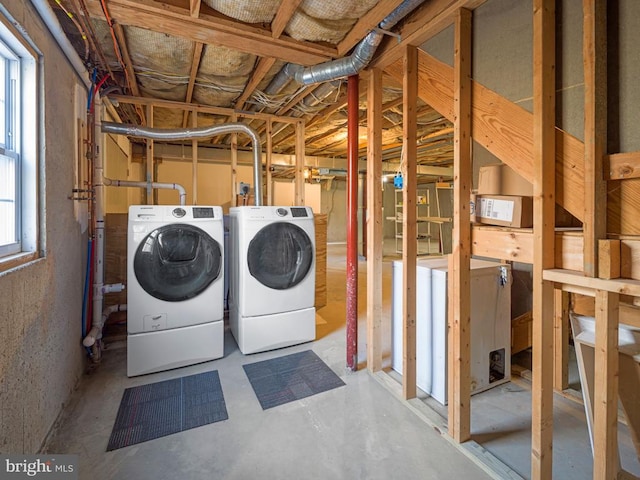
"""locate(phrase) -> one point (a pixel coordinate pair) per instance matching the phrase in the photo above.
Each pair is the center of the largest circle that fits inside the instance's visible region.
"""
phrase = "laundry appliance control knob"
(179, 212)
(281, 212)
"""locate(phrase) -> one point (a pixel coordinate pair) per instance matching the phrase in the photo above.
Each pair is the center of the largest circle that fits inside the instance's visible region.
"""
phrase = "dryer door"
(280, 255)
(177, 262)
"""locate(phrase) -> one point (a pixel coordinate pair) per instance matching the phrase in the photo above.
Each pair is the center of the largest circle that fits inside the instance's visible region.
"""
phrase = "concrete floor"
(359, 431)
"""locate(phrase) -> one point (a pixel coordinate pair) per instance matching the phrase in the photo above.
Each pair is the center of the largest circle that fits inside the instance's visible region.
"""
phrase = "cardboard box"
(500, 179)
(505, 210)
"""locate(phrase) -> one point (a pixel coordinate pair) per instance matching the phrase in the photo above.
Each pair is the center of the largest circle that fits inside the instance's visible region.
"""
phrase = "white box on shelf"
(490, 325)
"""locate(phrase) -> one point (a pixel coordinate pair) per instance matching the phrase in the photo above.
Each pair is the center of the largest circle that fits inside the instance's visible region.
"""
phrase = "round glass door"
(177, 262)
(280, 255)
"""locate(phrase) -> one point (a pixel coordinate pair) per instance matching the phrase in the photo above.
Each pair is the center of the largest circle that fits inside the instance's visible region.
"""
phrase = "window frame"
(25, 150)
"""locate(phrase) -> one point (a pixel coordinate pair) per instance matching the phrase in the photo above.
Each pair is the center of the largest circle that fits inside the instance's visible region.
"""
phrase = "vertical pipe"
(352, 222)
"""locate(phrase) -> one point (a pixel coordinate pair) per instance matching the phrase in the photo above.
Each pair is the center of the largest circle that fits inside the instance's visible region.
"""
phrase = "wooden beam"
(544, 237)
(211, 29)
(409, 242)
(194, 8)
(427, 21)
(297, 98)
(368, 22)
(192, 107)
(128, 67)
(617, 285)
(262, 68)
(459, 377)
(195, 64)
(505, 129)
(300, 147)
(268, 162)
(622, 165)
(561, 341)
(374, 221)
(594, 53)
(605, 404)
(283, 15)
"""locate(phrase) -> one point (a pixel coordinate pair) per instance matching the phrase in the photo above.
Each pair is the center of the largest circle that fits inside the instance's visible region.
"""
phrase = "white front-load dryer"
(175, 287)
(272, 270)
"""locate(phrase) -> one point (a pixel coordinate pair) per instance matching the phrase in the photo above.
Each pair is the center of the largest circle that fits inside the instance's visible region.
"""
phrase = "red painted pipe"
(352, 222)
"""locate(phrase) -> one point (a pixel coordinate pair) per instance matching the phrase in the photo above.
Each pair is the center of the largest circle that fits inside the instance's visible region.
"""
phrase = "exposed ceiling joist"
(210, 29)
(428, 20)
(285, 11)
(367, 23)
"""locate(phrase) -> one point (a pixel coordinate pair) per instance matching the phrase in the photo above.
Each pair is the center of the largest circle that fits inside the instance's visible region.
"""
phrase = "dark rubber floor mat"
(159, 409)
(292, 377)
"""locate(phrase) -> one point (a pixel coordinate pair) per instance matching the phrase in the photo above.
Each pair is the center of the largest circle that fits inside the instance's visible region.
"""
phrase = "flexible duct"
(193, 133)
(346, 66)
(168, 186)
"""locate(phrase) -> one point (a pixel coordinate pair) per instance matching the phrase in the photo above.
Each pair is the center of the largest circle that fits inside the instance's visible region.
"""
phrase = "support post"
(269, 154)
(459, 356)
(409, 218)
(194, 160)
(299, 180)
(374, 221)
(150, 167)
(561, 341)
(352, 222)
(544, 236)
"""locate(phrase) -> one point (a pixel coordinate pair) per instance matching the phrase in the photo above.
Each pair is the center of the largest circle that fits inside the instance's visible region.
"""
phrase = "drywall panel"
(334, 204)
(284, 194)
(41, 359)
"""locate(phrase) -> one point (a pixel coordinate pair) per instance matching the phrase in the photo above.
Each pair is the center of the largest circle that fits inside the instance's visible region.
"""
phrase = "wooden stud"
(269, 159)
(505, 129)
(459, 386)
(561, 341)
(608, 259)
(234, 164)
(300, 156)
(149, 174)
(194, 160)
(605, 402)
(409, 242)
(544, 236)
(374, 221)
(594, 50)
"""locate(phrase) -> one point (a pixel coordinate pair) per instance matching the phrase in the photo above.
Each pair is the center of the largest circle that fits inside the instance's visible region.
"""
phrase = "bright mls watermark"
(51, 467)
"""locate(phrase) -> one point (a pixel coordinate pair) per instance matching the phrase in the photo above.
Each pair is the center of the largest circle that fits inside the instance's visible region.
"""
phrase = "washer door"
(177, 262)
(280, 255)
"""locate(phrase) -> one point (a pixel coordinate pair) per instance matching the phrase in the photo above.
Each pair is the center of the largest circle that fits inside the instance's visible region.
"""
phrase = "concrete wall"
(41, 359)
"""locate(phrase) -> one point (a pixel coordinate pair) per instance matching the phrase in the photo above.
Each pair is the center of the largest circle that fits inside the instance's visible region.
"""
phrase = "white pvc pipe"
(98, 272)
(96, 330)
(167, 186)
(51, 21)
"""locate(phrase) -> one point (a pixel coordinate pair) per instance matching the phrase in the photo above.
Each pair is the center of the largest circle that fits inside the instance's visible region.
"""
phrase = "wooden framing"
(213, 29)
(269, 155)
(149, 160)
(234, 162)
(299, 180)
(561, 341)
(194, 161)
(595, 129)
(374, 221)
(459, 356)
(409, 221)
(544, 236)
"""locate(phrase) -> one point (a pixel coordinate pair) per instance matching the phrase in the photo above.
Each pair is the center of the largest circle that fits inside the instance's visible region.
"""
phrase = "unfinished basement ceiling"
(226, 53)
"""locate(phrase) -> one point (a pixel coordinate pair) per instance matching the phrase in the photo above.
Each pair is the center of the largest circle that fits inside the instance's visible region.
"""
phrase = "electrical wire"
(79, 27)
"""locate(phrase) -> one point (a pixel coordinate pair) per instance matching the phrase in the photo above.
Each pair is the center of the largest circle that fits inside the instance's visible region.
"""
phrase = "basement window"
(18, 147)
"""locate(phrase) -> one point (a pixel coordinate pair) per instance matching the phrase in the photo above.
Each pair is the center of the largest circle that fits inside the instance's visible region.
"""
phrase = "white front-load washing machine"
(175, 287)
(272, 277)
